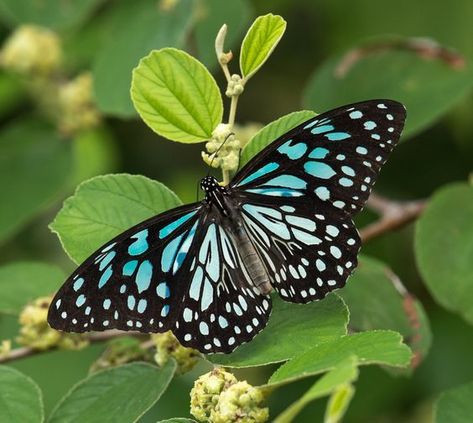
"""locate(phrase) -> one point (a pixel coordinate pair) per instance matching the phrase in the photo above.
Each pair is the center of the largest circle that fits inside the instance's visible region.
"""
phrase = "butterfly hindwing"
(332, 160)
(306, 253)
(179, 271)
(222, 308)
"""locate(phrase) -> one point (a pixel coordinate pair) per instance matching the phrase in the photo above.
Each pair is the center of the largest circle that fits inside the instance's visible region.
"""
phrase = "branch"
(93, 338)
(422, 47)
(394, 214)
(413, 317)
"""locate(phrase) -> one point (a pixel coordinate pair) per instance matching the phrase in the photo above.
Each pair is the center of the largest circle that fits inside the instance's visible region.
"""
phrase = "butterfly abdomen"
(251, 259)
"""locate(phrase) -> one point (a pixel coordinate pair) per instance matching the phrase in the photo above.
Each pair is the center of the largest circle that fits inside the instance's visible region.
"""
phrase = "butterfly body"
(231, 216)
(284, 223)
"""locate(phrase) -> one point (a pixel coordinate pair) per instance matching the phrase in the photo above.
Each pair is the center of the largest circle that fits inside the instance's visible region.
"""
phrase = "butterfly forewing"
(332, 160)
(134, 281)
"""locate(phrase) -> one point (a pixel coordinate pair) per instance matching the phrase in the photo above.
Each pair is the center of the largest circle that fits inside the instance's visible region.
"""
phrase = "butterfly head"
(209, 184)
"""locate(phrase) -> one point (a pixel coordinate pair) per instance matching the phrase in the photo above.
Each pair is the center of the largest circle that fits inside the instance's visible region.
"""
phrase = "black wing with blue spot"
(298, 195)
(132, 282)
(177, 271)
(332, 160)
(306, 253)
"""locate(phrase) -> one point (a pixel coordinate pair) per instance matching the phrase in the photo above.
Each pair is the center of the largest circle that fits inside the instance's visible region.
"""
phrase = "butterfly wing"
(177, 271)
(307, 254)
(298, 195)
(332, 160)
(222, 308)
(132, 282)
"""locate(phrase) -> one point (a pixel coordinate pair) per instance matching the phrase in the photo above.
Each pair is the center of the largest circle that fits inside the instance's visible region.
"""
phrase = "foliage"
(71, 117)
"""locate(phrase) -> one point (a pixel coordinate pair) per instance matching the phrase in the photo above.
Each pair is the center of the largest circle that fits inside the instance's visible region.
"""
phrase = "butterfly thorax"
(218, 196)
(214, 193)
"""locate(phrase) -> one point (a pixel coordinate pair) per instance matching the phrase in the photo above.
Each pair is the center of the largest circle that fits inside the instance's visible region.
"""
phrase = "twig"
(410, 309)
(93, 338)
(423, 47)
(394, 215)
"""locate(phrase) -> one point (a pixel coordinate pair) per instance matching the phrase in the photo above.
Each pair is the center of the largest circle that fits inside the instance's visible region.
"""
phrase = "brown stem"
(410, 308)
(394, 215)
(93, 338)
(423, 47)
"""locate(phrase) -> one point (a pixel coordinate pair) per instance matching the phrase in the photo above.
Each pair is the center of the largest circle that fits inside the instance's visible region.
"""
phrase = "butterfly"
(205, 270)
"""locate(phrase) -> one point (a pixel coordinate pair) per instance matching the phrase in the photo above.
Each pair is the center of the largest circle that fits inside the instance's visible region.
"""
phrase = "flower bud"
(167, 346)
(36, 333)
(206, 392)
(240, 403)
(77, 110)
(32, 50)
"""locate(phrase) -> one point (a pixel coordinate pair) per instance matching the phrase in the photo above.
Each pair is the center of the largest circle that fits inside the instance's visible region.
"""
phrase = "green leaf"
(375, 303)
(12, 93)
(105, 206)
(35, 166)
(444, 245)
(55, 14)
(211, 14)
(121, 394)
(373, 347)
(138, 27)
(428, 88)
(176, 96)
(21, 399)
(271, 132)
(22, 282)
(455, 405)
(259, 42)
(338, 403)
(345, 372)
(292, 329)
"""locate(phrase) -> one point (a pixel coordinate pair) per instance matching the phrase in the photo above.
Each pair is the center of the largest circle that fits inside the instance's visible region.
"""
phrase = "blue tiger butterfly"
(205, 270)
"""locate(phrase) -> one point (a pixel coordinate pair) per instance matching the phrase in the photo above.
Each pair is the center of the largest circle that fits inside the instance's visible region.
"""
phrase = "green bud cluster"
(227, 156)
(5, 348)
(77, 109)
(35, 53)
(36, 333)
(167, 346)
(31, 51)
(217, 397)
(235, 86)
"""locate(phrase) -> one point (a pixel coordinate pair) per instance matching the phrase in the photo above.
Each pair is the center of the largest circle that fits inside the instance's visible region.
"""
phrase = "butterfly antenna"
(218, 149)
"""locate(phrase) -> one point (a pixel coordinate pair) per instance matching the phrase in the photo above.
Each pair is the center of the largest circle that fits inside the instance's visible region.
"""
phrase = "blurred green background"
(42, 161)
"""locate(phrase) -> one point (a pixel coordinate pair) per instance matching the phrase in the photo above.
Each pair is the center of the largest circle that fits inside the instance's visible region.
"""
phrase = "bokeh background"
(54, 135)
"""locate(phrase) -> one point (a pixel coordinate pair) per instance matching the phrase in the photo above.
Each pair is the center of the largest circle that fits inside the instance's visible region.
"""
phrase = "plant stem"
(93, 338)
(394, 214)
(232, 113)
(225, 177)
